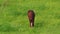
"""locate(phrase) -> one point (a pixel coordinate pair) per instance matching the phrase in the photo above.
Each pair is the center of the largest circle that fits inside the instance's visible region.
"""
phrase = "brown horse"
(31, 16)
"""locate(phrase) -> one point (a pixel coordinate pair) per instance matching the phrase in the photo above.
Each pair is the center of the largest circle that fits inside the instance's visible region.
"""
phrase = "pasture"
(14, 20)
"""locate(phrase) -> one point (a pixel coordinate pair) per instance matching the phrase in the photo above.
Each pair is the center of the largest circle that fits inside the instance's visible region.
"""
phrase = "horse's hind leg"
(31, 23)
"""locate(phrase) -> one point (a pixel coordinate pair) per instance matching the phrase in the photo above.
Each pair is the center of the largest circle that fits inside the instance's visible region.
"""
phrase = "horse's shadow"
(39, 24)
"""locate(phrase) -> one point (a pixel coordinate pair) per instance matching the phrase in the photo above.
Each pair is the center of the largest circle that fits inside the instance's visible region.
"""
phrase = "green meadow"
(14, 19)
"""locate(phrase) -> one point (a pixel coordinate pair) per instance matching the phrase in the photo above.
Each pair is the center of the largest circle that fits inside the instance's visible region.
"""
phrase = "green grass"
(14, 19)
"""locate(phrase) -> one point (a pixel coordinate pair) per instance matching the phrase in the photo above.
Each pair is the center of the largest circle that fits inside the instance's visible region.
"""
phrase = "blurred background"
(14, 20)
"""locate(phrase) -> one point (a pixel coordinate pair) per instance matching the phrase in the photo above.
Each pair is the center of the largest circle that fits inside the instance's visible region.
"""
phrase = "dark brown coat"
(31, 16)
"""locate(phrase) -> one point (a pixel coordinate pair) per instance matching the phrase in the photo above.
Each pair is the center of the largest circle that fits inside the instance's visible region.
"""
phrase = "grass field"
(14, 20)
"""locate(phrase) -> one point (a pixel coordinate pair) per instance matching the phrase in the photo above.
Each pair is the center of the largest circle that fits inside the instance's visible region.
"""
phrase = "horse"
(31, 17)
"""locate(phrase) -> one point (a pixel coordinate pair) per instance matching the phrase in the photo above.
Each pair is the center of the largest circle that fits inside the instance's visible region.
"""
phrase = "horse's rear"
(31, 16)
